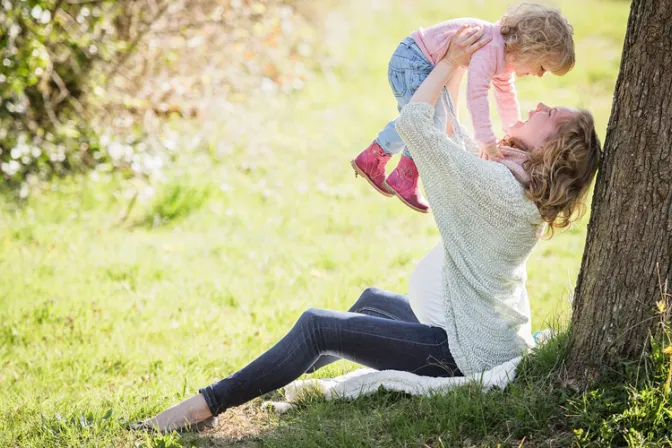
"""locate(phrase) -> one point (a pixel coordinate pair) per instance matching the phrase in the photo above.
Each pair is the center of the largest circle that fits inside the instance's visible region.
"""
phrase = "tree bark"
(627, 261)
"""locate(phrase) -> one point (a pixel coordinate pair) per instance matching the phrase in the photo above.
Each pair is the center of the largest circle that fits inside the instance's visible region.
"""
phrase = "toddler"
(529, 40)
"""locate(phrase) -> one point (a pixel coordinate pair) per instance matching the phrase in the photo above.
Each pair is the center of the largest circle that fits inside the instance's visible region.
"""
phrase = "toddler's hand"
(490, 152)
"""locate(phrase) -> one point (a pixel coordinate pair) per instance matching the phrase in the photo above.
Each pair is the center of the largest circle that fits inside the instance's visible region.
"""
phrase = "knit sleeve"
(450, 174)
(507, 100)
(470, 144)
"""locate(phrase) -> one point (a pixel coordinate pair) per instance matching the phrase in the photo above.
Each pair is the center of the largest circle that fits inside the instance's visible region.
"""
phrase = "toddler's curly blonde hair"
(538, 33)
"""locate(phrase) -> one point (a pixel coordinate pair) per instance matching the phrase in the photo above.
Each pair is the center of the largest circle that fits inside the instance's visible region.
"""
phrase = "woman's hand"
(464, 43)
(462, 46)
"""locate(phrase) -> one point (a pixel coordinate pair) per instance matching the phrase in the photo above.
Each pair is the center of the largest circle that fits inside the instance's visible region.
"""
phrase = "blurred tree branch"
(141, 34)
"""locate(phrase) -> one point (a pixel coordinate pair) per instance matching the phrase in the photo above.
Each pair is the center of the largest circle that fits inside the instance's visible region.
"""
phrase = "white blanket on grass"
(366, 381)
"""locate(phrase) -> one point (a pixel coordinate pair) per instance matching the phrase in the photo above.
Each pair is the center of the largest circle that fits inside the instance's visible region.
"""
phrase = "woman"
(469, 309)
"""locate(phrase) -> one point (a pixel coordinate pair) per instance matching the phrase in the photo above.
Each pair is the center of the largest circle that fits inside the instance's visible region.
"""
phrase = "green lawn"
(105, 320)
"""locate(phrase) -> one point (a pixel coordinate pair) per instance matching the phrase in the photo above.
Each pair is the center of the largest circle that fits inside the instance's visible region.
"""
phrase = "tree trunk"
(627, 261)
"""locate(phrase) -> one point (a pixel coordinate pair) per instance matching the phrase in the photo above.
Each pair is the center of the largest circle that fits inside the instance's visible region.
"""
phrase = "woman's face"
(542, 123)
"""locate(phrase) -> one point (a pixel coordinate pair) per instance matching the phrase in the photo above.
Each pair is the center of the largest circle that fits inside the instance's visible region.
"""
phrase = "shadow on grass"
(244, 426)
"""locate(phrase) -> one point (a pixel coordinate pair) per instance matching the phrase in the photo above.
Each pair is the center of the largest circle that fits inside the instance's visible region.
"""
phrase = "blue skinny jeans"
(379, 331)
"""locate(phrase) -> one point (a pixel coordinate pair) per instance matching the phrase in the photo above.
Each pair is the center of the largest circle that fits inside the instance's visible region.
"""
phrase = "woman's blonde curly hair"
(562, 169)
(538, 33)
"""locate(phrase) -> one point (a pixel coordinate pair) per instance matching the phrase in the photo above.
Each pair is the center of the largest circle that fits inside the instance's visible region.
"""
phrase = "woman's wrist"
(448, 64)
(447, 69)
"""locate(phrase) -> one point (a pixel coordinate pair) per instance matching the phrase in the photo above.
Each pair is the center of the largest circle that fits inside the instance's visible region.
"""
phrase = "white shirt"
(425, 289)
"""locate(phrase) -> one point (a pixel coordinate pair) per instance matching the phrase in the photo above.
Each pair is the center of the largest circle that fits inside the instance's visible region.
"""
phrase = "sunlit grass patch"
(175, 201)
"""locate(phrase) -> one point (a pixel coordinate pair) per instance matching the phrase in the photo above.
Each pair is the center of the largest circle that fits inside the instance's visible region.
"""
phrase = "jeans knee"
(311, 326)
(367, 298)
(309, 317)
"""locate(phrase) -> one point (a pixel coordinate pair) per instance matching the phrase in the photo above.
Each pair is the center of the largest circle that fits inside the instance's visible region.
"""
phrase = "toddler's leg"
(370, 163)
(403, 181)
(407, 69)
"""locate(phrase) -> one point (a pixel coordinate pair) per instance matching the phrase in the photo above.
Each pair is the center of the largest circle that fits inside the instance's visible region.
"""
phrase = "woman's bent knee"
(368, 296)
(311, 316)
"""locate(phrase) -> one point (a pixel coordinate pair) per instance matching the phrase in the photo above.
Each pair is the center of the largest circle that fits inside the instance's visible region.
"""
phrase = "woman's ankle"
(189, 412)
(198, 409)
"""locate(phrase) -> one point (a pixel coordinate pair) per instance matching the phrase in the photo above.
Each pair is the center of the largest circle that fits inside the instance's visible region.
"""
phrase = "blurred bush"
(85, 84)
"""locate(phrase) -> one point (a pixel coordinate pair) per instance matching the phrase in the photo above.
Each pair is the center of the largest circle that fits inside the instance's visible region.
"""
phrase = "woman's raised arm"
(464, 43)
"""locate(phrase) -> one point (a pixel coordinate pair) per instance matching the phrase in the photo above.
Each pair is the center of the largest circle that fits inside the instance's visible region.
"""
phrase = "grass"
(111, 312)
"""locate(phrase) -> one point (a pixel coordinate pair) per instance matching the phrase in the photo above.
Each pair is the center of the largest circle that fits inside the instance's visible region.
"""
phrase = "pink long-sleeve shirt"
(487, 65)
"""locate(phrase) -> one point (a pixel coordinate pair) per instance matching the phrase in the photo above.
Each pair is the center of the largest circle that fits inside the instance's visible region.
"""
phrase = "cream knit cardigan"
(489, 228)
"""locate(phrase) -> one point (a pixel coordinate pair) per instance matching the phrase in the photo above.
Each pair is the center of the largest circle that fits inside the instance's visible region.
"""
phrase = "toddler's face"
(525, 68)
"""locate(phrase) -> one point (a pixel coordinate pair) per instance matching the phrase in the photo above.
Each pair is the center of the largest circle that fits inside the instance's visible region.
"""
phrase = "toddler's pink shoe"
(370, 164)
(404, 183)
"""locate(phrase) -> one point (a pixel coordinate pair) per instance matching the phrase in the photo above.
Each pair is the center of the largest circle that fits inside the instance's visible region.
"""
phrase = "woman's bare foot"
(185, 415)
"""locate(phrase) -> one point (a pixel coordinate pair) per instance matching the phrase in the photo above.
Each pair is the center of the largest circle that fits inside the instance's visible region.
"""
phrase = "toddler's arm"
(481, 71)
(507, 100)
